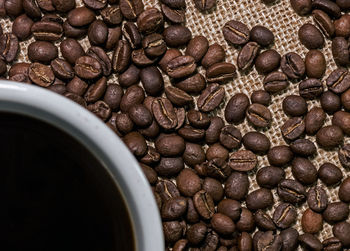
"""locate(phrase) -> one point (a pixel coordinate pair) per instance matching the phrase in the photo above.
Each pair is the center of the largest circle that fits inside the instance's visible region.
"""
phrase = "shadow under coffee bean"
(54, 194)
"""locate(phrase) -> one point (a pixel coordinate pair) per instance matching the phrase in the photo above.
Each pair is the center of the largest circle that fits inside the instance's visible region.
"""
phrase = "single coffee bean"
(259, 115)
(193, 154)
(236, 32)
(329, 136)
(181, 66)
(152, 80)
(261, 97)
(280, 155)
(114, 35)
(335, 212)
(80, 16)
(193, 84)
(324, 22)
(343, 4)
(76, 98)
(121, 56)
(230, 137)
(198, 119)
(259, 199)
(269, 241)
(314, 120)
(285, 215)
(204, 5)
(304, 171)
(267, 61)
(330, 102)
(191, 134)
(150, 20)
(310, 36)
(345, 100)
(42, 52)
(19, 68)
(291, 191)
(230, 208)
(112, 15)
(262, 35)
(330, 174)
(222, 224)
(21, 27)
(174, 208)
(140, 115)
(95, 4)
(164, 113)
(172, 230)
(341, 230)
(310, 88)
(71, 50)
(339, 80)
(170, 145)
(289, 239)
(169, 167)
(87, 67)
(301, 7)
(140, 59)
(132, 96)
(177, 96)
(131, 9)
(151, 158)
(310, 242)
(303, 147)
(264, 221)
(332, 244)
(73, 32)
(217, 151)
(344, 155)
(197, 48)
(150, 174)
(47, 30)
(327, 6)
(315, 64)
(100, 109)
(176, 16)
(256, 142)
(192, 215)
(215, 168)
(62, 69)
(177, 35)
(204, 204)
(154, 45)
(275, 82)
(220, 72)
(13, 8)
(77, 86)
(3, 68)
(245, 241)
(100, 55)
(211, 241)
(236, 108)
(210, 98)
(123, 123)
(269, 176)
(247, 55)
(342, 26)
(342, 119)
(130, 76)
(293, 65)
(214, 188)
(344, 189)
(196, 233)
(243, 161)
(246, 221)
(317, 199)
(214, 54)
(136, 143)
(293, 128)
(339, 47)
(213, 132)
(294, 106)
(98, 32)
(167, 189)
(9, 47)
(236, 186)
(167, 57)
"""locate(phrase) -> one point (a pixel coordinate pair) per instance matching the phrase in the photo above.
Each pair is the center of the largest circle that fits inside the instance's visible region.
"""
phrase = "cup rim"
(101, 141)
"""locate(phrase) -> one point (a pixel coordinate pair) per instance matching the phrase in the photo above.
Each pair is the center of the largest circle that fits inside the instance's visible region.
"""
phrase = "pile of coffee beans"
(170, 86)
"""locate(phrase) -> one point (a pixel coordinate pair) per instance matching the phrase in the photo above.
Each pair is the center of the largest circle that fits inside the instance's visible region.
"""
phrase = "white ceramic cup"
(102, 142)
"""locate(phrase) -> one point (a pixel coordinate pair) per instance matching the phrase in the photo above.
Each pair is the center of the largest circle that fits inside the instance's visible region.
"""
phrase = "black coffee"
(54, 194)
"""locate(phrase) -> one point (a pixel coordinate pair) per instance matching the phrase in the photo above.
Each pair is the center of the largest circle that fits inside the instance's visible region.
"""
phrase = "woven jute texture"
(284, 23)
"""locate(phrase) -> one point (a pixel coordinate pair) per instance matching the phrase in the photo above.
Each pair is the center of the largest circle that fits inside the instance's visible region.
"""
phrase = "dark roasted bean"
(270, 176)
(247, 55)
(275, 82)
(9, 47)
(327, 6)
(315, 64)
(210, 98)
(41, 75)
(259, 115)
(230, 137)
(267, 61)
(236, 186)
(324, 22)
(259, 199)
(197, 48)
(256, 142)
(335, 212)
(294, 106)
(150, 21)
(317, 199)
(329, 136)
(291, 191)
(204, 204)
(131, 9)
(280, 155)
(339, 80)
(220, 72)
(262, 35)
(285, 215)
(243, 161)
(164, 113)
(176, 16)
(310, 242)
(293, 65)
(177, 35)
(310, 88)
(340, 48)
(236, 108)
(236, 32)
(310, 36)
(330, 174)
(303, 147)
(121, 56)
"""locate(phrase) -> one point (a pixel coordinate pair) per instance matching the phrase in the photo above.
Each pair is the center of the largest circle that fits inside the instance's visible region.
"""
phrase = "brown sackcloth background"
(284, 23)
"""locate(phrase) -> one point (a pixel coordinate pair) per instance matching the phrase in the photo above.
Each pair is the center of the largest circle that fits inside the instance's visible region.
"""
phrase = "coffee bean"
(124, 123)
(259, 199)
(210, 98)
(345, 100)
(335, 212)
(230, 208)
(247, 55)
(343, 4)
(21, 27)
(214, 188)
(140, 115)
(13, 7)
(164, 113)
(139, 58)
(204, 5)
(196, 233)
(293, 128)
(310, 242)
(131, 9)
(198, 119)
(215, 168)
(181, 67)
(342, 26)
(172, 230)
(270, 176)
(191, 134)
(211, 241)
(261, 97)
(197, 48)
(262, 35)
(236, 186)
(342, 119)
(303, 147)
(8, 47)
(177, 96)
(47, 30)
(152, 80)
(130, 76)
(236, 32)
(236, 108)
(330, 174)
(100, 55)
(259, 115)
(245, 241)
(71, 50)
(344, 189)
(177, 35)
(80, 16)
(152, 157)
(293, 65)
(344, 155)
(77, 86)
(76, 98)
(114, 34)
(275, 82)
(192, 215)
(193, 154)
(310, 88)
(42, 52)
(19, 68)
(315, 64)
(170, 145)
(256, 142)
(220, 72)
(87, 67)
(169, 167)
(246, 221)
(204, 204)
(339, 47)
(214, 54)
(100, 109)
(285, 215)
(222, 224)
(167, 189)
(338, 81)
(230, 137)
(289, 239)
(213, 132)
(341, 230)
(62, 69)
(301, 7)
(264, 221)
(327, 6)
(324, 22)
(329, 136)
(304, 171)
(314, 120)
(174, 208)
(269, 241)
(150, 21)
(167, 57)
(332, 244)
(217, 151)
(154, 45)
(136, 143)
(243, 161)
(330, 102)
(294, 106)
(310, 36)
(175, 3)
(317, 199)
(193, 84)
(73, 32)
(41, 75)
(176, 16)
(280, 155)
(98, 32)
(121, 56)
(291, 191)
(111, 15)
(267, 61)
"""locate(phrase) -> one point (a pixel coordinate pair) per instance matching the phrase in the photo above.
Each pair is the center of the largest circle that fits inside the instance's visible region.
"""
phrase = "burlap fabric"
(284, 23)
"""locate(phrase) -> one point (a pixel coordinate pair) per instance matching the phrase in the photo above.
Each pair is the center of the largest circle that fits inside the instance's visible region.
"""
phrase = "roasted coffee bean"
(21, 27)
(259, 199)
(293, 65)
(42, 51)
(169, 145)
(139, 58)
(291, 191)
(330, 102)
(59, 89)
(270, 176)
(150, 21)
(210, 98)
(111, 15)
(204, 5)
(41, 75)
(198, 119)
(222, 224)
(100, 55)
(236, 32)
(342, 119)
(340, 48)
(114, 34)
(150, 132)
(329, 136)
(220, 72)
(293, 128)
(177, 35)
(324, 22)
(275, 82)
(193, 84)
(3, 67)
(191, 134)
(344, 155)
(280, 155)
(80, 16)
(264, 221)
(259, 115)
(245, 241)
(214, 188)
(95, 4)
(204, 204)
(76, 98)
(47, 30)
(136, 143)
(310, 242)
(343, 4)
(256, 142)
(168, 167)
(176, 95)
(175, 3)
(261, 97)
(330, 174)
(9, 47)
(131, 9)
(301, 7)
(294, 106)
(13, 7)
(243, 161)
(289, 239)
(130, 76)
(192, 215)
(214, 54)
(345, 100)
(310, 88)
(269, 241)
(73, 32)
(152, 80)
(132, 96)
(140, 115)
(246, 221)
(236, 108)
(342, 26)
(151, 158)
(336, 211)
(327, 6)
(247, 55)
(197, 48)
(71, 50)
(285, 215)
(98, 32)
(196, 233)
(303, 147)
(180, 67)
(218, 152)
(167, 57)
(230, 137)
(212, 134)
(62, 69)
(332, 244)
(236, 186)
(121, 56)
(344, 189)
(304, 171)
(87, 67)
(176, 16)
(154, 45)
(341, 230)
(231, 208)
(173, 208)
(123, 123)
(338, 81)
(100, 109)
(317, 199)
(262, 35)
(77, 86)
(315, 64)
(215, 168)
(193, 154)
(310, 36)
(172, 230)
(167, 189)
(314, 120)
(267, 61)
(164, 113)
(211, 241)
(150, 174)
